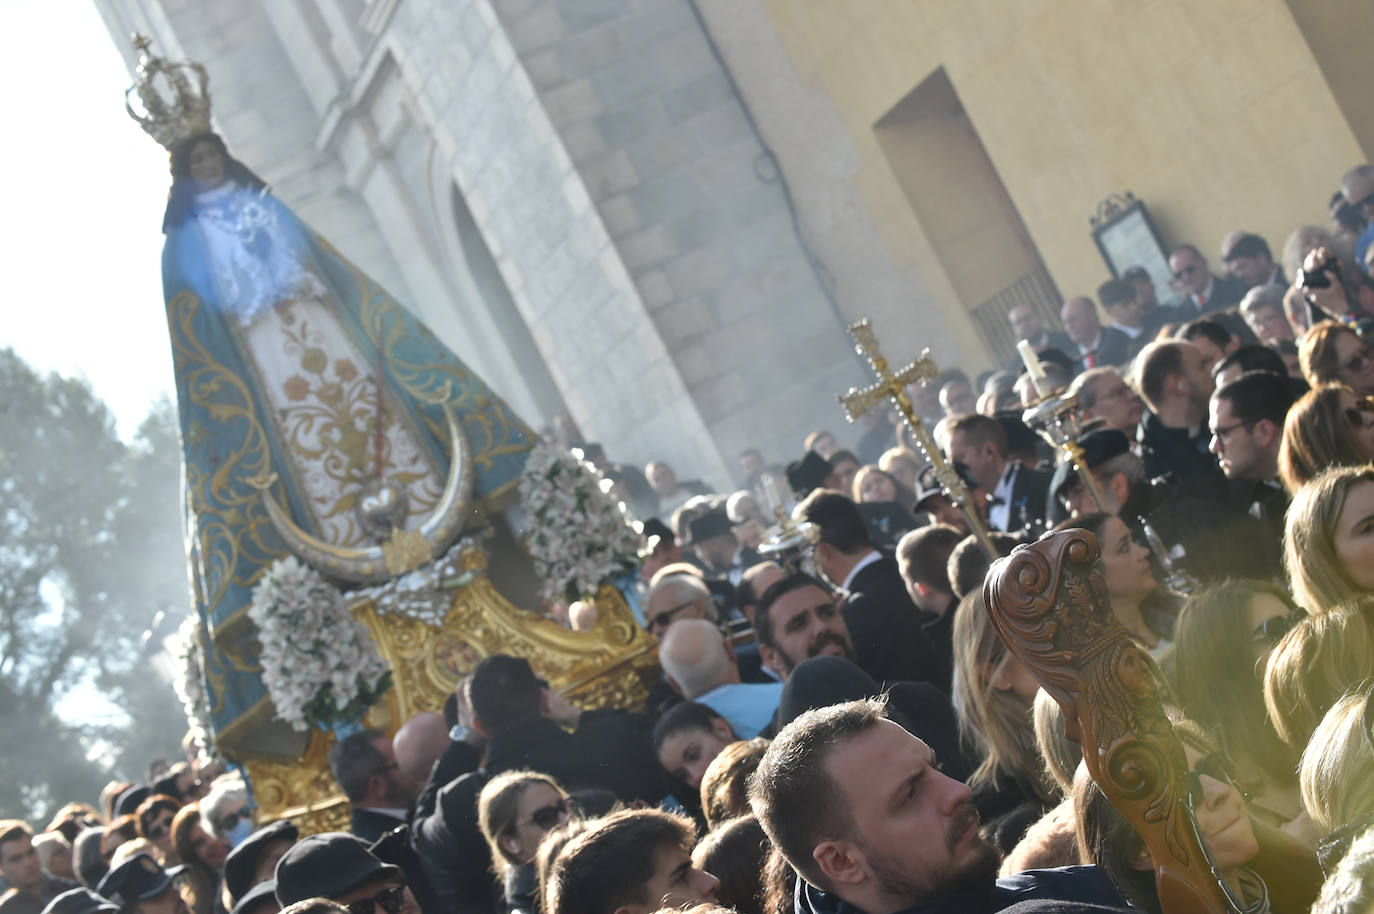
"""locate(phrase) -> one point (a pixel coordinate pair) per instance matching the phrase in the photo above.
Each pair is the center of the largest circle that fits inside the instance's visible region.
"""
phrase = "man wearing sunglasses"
(341, 868)
(1198, 285)
(1358, 189)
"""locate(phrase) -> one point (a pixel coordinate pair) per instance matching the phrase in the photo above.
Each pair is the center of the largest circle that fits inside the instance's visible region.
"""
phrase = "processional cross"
(892, 386)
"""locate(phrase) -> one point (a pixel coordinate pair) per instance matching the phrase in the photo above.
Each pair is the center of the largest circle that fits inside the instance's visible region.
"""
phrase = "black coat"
(1226, 293)
(1113, 348)
(377, 830)
(1030, 500)
(1083, 884)
(885, 627)
(1173, 452)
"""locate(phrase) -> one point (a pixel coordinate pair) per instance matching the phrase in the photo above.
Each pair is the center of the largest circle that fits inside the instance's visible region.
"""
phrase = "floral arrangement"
(579, 536)
(190, 686)
(319, 665)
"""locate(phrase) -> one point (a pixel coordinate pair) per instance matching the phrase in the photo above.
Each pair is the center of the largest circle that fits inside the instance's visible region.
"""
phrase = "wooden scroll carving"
(1050, 606)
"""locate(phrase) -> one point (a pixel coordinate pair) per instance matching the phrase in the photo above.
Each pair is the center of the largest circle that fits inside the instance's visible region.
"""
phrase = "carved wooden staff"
(1050, 605)
(892, 387)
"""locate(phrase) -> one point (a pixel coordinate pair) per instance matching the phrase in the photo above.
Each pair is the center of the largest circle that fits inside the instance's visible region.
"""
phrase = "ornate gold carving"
(610, 666)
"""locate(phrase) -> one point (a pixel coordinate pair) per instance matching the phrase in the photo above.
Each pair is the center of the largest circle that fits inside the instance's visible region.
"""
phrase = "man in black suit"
(381, 797)
(1093, 344)
(884, 625)
(1028, 326)
(1019, 495)
(1197, 284)
(1249, 261)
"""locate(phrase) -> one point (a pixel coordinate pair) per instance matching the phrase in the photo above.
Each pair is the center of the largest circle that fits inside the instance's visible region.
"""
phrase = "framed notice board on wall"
(1126, 237)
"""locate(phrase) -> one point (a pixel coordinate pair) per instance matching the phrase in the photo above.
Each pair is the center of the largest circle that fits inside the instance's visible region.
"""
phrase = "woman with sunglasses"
(1329, 426)
(1223, 638)
(1332, 352)
(1328, 539)
(154, 818)
(515, 810)
(1107, 839)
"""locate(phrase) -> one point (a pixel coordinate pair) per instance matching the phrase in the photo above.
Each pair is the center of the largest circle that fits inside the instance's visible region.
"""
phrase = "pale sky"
(83, 199)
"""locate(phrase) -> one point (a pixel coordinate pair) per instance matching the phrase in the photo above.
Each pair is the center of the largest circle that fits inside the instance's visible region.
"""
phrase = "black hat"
(131, 799)
(808, 473)
(654, 534)
(326, 866)
(259, 893)
(927, 486)
(707, 526)
(1099, 446)
(80, 901)
(136, 879)
(243, 859)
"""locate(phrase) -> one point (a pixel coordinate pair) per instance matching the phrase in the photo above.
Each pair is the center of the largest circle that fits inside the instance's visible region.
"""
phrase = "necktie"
(1089, 360)
(1201, 301)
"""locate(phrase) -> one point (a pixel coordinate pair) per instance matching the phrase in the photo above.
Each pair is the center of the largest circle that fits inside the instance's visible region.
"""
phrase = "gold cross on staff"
(893, 387)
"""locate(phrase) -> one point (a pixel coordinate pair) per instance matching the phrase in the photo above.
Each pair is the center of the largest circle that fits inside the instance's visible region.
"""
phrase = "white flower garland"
(579, 537)
(319, 665)
(190, 686)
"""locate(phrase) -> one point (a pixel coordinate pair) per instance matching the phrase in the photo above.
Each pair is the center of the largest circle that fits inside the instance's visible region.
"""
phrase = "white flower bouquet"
(319, 665)
(579, 536)
(190, 686)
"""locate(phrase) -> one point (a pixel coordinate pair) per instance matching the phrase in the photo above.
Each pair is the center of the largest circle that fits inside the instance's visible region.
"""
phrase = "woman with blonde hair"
(1337, 774)
(1331, 352)
(993, 695)
(1328, 539)
(872, 484)
(1329, 426)
(1315, 664)
(515, 810)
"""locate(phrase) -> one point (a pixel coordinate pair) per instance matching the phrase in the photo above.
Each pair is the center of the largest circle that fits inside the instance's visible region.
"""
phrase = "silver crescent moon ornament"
(405, 550)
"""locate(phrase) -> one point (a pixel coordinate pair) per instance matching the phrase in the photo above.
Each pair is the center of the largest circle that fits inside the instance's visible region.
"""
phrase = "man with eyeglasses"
(1197, 284)
(674, 597)
(340, 867)
(1245, 418)
(382, 798)
(1357, 187)
(1102, 394)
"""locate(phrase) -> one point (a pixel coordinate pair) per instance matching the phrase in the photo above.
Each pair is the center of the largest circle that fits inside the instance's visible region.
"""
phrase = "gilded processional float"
(353, 492)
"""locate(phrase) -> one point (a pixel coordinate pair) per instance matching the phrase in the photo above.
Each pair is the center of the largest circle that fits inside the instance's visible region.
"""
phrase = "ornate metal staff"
(892, 387)
(1056, 419)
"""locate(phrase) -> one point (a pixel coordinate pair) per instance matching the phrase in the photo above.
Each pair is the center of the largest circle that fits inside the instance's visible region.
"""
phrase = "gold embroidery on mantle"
(609, 667)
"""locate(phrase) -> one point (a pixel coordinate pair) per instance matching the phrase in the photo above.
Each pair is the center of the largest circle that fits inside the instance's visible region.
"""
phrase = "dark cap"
(243, 859)
(136, 879)
(708, 526)
(327, 866)
(808, 473)
(80, 901)
(1137, 273)
(1099, 446)
(131, 799)
(926, 485)
(654, 534)
(262, 892)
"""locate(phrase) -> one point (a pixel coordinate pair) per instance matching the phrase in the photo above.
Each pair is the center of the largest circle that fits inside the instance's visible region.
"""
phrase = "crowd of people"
(855, 737)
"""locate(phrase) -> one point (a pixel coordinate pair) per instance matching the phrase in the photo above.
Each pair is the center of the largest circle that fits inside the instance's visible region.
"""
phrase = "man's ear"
(672, 684)
(841, 862)
(922, 588)
(1119, 487)
(771, 659)
(1267, 431)
(720, 727)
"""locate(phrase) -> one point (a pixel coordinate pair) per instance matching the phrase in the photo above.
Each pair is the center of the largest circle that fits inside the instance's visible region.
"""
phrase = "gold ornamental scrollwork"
(610, 666)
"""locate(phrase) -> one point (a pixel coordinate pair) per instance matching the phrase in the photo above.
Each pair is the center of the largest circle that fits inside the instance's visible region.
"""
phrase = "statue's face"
(207, 165)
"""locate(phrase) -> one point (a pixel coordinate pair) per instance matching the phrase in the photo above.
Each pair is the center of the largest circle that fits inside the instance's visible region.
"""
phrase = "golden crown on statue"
(174, 113)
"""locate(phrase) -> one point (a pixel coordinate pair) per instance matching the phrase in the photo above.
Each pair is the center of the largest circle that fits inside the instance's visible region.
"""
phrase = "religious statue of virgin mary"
(318, 416)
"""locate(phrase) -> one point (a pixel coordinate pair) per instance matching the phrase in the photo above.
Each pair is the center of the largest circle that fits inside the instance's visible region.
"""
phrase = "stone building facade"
(576, 197)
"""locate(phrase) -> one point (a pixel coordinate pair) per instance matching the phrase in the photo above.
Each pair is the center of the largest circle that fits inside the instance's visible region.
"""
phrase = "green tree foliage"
(90, 551)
